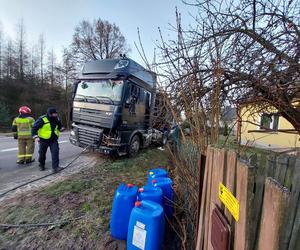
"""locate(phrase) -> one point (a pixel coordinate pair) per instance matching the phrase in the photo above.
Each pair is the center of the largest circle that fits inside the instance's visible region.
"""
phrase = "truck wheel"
(134, 146)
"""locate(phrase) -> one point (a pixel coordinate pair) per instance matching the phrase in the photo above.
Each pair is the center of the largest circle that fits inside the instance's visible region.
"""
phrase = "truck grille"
(89, 136)
(93, 117)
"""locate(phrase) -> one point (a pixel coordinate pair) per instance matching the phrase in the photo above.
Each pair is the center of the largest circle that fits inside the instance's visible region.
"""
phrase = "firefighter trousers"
(26, 149)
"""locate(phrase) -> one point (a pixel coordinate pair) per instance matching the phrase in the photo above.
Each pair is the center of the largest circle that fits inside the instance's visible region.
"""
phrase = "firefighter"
(46, 131)
(21, 128)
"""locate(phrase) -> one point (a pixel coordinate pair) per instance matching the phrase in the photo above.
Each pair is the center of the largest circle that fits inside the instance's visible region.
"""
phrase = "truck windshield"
(99, 91)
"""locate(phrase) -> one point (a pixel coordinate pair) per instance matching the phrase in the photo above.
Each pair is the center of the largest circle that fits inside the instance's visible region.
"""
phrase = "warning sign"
(230, 202)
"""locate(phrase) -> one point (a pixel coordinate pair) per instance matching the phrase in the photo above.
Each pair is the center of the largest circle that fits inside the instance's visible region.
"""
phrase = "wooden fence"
(267, 188)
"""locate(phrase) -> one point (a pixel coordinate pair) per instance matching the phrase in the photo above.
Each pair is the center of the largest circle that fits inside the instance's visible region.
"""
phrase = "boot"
(29, 161)
(56, 170)
(20, 161)
(41, 167)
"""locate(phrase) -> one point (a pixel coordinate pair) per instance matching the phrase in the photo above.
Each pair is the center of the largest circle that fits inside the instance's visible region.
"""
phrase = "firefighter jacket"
(22, 126)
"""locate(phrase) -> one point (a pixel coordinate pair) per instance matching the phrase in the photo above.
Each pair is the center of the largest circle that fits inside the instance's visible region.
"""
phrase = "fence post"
(275, 204)
(244, 194)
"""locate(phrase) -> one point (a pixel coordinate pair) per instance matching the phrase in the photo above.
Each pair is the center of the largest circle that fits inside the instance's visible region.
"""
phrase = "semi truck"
(113, 102)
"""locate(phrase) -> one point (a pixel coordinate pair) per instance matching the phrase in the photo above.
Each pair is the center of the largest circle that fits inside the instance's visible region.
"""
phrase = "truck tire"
(134, 146)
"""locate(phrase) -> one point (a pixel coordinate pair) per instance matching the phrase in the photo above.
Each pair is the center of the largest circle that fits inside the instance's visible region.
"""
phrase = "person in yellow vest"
(21, 128)
(46, 131)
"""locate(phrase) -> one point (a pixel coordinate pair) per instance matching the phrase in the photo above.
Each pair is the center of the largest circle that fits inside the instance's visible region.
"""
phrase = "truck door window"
(148, 100)
(142, 96)
(135, 92)
(134, 98)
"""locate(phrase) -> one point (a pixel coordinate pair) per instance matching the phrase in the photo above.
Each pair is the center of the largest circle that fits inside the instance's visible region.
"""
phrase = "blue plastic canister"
(151, 193)
(124, 199)
(156, 173)
(146, 226)
(168, 194)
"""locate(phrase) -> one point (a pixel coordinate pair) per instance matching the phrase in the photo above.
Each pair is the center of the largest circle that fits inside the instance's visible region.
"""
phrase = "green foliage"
(21, 214)
(89, 193)
(185, 125)
(15, 93)
(68, 186)
(225, 132)
(4, 117)
(86, 207)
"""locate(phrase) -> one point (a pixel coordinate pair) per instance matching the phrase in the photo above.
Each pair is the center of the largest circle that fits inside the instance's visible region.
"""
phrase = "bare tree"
(21, 48)
(98, 40)
(234, 51)
(42, 48)
(68, 71)
(243, 50)
(8, 59)
(51, 67)
(19, 66)
(260, 59)
(34, 61)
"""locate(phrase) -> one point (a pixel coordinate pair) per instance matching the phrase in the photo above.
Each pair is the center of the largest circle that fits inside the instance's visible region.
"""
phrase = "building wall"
(268, 140)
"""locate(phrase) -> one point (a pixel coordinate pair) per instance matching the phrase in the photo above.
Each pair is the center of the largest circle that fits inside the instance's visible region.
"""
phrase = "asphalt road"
(9, 151)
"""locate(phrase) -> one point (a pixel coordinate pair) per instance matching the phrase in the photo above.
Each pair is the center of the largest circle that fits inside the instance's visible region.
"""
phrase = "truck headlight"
(72, 133)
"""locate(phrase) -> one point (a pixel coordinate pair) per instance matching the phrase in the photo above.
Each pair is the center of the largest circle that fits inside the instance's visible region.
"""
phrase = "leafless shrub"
(235, 51)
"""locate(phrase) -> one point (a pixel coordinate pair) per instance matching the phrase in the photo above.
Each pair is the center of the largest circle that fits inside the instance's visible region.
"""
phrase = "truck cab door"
(130, 109)
(147, 109)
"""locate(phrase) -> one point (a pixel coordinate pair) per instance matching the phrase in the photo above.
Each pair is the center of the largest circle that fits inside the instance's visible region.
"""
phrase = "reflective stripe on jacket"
(45, 131)
(24, 126)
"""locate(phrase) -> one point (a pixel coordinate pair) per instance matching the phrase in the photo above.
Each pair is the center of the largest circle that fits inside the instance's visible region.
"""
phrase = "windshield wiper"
(93, 97)
(84, 97)
(87, 97)
(105, 97)
(97, 98)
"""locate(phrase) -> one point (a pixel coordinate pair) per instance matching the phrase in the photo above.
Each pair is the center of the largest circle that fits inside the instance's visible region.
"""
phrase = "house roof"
(228, 113)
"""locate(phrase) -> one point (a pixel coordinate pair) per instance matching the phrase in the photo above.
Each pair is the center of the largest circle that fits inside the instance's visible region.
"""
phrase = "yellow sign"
(230, 202)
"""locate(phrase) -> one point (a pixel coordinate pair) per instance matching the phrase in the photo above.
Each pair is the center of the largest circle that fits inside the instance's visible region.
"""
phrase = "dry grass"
(88, 194)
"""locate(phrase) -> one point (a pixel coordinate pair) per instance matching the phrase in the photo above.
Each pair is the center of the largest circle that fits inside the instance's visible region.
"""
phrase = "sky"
(56, 19)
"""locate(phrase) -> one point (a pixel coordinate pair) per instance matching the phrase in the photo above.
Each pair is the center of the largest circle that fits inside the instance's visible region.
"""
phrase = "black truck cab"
(112, 106)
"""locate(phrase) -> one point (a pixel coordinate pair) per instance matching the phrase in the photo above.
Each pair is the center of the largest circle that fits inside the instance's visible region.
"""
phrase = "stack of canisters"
(138, 214)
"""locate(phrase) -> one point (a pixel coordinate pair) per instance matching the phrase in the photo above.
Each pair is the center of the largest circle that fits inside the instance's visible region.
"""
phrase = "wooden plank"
(201, 223)
(210, 166)
(201, 172)
(258, 177)
(295, 239)
(217, 177)
(275, 204)
(244, 188)
(291, 181)
(230, 180)
(261, 169)
(271, 165)
(293, 221)
(288, 180)
(281, 168)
